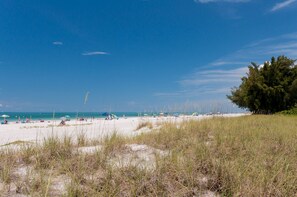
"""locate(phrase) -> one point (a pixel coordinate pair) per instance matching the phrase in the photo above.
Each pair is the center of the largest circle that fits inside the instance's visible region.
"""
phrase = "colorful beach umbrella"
(63, 118)
(5, 116)
(114, 116)
(67, 118)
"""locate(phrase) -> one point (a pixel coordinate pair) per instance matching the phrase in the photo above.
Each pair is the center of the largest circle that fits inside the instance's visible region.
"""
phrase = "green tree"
(269, 88)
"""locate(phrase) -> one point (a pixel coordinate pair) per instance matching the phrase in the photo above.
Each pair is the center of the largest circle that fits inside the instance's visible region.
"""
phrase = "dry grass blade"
(146, 124)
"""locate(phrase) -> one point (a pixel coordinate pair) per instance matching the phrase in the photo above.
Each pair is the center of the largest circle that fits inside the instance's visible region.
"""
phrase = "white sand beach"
(97, 128)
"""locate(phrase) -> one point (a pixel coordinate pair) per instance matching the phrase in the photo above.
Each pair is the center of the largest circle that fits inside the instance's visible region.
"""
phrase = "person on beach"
(4, 121)
(62, 123)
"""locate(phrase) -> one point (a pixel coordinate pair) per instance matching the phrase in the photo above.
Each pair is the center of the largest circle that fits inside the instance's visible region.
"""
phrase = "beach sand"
(92, 129)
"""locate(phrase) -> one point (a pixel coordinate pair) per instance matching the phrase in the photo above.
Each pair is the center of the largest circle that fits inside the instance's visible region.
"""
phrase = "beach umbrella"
(67, 118)
(114, 116)
(5, 116)
(63, 118)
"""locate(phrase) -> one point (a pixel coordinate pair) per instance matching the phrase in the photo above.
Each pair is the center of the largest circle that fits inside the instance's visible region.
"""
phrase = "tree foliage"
(269, 88)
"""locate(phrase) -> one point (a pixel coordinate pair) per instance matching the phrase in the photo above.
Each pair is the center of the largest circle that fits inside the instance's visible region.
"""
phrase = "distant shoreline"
(93, 128)
(46, 116)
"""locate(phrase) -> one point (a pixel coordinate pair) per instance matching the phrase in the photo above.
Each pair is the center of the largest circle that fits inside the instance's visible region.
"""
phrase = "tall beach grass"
(245, 156)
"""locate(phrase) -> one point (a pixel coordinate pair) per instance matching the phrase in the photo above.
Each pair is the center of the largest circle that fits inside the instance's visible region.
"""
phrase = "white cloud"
(57, 43)
(95, 53)
(168, 94)
(227, 1)
(198, 82)
(207, 82)
(282, 5)
(215, 80)
(1, 105)
(221, 63)
(214, 77)
(224, 90)
(260, 51)
(228, 12)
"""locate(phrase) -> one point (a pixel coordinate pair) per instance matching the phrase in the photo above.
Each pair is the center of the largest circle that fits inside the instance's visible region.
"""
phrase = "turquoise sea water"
(14, 116)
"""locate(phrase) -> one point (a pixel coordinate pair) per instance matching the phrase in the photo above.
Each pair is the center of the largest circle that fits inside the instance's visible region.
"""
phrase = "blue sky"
(135, 55)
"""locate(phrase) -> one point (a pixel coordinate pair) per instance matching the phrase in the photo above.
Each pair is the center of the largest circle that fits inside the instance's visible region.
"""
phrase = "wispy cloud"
(282, 5)
(215, 80)
(199, 82)
(168, 94)
(221, 63)
(228, 12)
(95, 53)
(259, 51)
(57, 43)
(227, 1)
(207, 82)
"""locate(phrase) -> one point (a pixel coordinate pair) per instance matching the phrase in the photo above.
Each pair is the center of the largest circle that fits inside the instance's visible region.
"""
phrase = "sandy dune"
(35, 132)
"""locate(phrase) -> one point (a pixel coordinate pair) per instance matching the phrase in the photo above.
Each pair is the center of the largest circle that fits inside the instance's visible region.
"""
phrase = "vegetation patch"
(145, 124)
(18, 142)
(245, 156)
(269, 88)
(292, 111)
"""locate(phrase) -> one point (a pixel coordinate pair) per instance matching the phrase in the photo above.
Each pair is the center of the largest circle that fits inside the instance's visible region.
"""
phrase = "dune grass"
(144, 124)
(245, 156)
(250, 156)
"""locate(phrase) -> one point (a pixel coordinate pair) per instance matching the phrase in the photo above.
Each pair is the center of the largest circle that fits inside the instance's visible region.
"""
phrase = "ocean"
(14, 116)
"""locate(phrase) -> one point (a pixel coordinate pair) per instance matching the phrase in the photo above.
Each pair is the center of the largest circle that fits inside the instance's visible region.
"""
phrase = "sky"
(135, 55)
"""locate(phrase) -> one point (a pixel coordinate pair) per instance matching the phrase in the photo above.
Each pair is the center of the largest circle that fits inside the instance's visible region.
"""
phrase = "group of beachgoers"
(108, 116)
(63, 120)
(111, 117)
(4, 122)
(27, 120)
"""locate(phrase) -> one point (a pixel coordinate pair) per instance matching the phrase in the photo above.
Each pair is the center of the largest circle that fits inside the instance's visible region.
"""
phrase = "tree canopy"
(268, 88)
